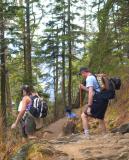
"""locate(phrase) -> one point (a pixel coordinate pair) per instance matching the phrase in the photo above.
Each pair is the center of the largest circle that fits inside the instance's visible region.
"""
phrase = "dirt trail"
(111, 146)
(55, 128)
(99, 147)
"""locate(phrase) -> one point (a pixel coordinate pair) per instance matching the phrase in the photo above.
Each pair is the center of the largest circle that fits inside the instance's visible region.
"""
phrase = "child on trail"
(69, 113)
(70, 125)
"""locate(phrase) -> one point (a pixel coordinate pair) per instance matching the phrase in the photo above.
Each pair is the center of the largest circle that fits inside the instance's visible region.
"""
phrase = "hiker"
(20, 106)
(96, 106)
(27, 123)
(34, 93)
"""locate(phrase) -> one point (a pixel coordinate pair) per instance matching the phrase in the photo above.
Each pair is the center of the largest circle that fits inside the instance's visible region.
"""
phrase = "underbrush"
(8, 145)
(118, 110)
(9, 140)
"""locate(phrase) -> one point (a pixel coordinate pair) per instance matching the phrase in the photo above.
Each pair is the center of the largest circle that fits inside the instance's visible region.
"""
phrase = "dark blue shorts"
(99, 107)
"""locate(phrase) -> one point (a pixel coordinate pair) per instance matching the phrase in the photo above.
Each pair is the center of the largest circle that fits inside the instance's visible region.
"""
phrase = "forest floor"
(109, 146)
(114, 118)
(52, 144)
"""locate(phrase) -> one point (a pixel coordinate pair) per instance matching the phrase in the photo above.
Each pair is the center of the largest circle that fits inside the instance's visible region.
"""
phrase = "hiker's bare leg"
(84, 118)
(102, 125)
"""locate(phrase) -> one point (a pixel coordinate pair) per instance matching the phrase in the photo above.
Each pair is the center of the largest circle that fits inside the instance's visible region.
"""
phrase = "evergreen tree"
(3, 70)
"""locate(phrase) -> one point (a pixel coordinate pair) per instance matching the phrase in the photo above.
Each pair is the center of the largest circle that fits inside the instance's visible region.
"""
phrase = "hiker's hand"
(82, 87)
(13, 126)
(87, 109)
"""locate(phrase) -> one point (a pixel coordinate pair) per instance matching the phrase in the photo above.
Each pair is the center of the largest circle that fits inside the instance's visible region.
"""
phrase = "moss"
(40, 152)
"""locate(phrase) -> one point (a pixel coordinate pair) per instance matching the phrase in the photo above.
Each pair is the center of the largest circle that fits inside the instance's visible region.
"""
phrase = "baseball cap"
(83, 69)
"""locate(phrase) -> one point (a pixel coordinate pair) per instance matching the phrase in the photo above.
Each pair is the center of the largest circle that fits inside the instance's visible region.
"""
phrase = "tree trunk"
(63, 65)
(24, 41)
(8, 93)
(55, 98)
(56, 77)
(85, 26)
(28, 76)
(3, 74)
(70, 57)
(128, 31)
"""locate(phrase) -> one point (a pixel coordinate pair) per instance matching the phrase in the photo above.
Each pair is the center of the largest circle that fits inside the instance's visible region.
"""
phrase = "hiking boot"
(83, 138)
(32, 137)
(86, 136)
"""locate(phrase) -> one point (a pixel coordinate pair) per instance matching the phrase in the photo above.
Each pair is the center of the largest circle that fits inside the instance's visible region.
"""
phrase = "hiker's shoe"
(82, 138)
(86, 136)
(32, 137)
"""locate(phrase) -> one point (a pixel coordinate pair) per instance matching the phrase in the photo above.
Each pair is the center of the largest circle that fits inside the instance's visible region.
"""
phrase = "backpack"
(108, 86)
(117, 82)
(102, 81)
(39, 108)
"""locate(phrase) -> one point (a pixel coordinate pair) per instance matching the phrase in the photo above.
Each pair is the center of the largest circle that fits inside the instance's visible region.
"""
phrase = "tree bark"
(28, 76)
(56, 76)
(63, 65)
(70, 57)
(85, 26)
(8, 93)
(3, 74)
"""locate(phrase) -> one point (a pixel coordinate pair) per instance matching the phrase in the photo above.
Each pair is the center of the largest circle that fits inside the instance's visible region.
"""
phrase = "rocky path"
(111, 146)
(53, 146)
(99, 147)
(55, 129)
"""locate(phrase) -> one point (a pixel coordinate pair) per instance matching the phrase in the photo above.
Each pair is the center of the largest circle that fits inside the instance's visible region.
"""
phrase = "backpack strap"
(98, 84)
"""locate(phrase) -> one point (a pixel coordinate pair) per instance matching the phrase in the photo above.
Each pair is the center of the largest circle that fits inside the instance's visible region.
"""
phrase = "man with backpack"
(96, 105)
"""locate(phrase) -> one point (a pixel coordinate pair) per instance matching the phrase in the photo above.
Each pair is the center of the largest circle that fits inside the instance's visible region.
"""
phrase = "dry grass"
(8, 145)
(118, 111)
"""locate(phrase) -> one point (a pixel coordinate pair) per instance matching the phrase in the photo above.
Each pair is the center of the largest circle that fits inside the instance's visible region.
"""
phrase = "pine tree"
(3, 71)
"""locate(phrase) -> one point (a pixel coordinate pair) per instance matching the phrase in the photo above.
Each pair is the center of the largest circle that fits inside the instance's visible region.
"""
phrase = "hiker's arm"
(19, 116)
(90, 96)
(21, 113)
(83, 87)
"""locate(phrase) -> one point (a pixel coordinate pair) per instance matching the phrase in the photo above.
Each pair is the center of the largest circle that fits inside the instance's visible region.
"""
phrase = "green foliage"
(105, 48)
(10, 118)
